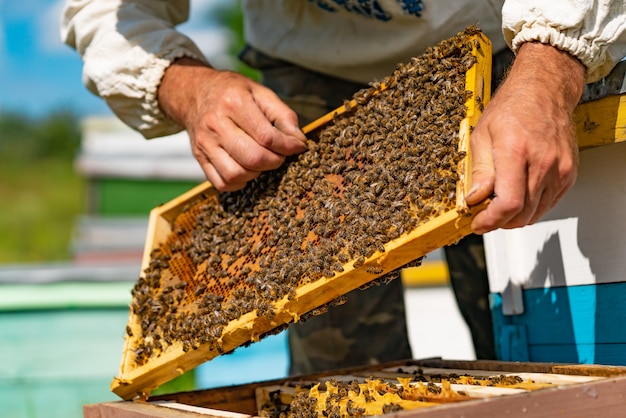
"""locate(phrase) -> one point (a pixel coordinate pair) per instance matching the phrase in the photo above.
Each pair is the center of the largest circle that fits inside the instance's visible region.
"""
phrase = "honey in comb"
(376, 396)
(376, 172)
(360, 398)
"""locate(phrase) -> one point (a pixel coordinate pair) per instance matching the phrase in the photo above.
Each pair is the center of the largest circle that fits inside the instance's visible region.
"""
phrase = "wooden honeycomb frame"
(578, 390)
(138, 380)
(455, 385)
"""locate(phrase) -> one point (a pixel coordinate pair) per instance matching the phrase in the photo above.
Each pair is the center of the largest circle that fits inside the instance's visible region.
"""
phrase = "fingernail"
(473, 189)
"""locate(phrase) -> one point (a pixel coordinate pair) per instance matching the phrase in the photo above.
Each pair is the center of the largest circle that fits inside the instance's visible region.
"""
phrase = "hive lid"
(189, 265)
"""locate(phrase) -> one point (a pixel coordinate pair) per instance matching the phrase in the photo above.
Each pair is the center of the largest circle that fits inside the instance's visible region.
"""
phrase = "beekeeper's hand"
(524, 147)
(238, 128)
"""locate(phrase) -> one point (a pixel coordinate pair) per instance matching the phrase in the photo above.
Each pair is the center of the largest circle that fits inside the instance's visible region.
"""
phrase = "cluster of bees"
(374, 173)
(360, 398)
(373, 396)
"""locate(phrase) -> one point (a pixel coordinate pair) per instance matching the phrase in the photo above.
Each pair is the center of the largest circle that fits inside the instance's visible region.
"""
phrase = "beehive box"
(476, 389)
(382, 184)
(567, 270)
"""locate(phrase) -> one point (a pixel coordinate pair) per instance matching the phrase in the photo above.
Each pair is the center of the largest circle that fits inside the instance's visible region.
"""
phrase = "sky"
(39, 74)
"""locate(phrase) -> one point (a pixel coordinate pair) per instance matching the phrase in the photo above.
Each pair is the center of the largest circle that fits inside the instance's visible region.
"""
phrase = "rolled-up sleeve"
(126, 46)
(592, 31)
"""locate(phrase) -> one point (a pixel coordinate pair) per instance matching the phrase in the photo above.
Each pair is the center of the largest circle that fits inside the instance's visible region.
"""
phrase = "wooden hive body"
(546, 390)
(223, 270)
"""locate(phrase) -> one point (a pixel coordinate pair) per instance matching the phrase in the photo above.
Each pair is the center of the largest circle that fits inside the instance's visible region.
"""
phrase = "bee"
(200, 289)
(338, 267)
(374, 270)
(479, 103)
(328, 272)
(358, 262)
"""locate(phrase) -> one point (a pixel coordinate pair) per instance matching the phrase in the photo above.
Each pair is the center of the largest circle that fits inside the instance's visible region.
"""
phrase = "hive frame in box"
(579, 390)
(138, 380)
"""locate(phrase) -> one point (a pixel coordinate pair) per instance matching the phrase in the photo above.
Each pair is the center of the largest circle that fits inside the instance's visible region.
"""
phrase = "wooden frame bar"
(436, 232)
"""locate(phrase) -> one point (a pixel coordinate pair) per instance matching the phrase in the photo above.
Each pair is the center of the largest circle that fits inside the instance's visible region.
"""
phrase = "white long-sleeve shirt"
(126, 46)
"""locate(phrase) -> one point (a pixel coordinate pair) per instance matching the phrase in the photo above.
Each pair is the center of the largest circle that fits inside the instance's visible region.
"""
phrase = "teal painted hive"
(60, 345)
(571, 324)
(559, 286)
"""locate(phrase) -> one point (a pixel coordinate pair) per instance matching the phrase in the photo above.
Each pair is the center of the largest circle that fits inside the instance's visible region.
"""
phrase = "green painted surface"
(65, 295)
(55, 361)
(61, 345)
(112, 197)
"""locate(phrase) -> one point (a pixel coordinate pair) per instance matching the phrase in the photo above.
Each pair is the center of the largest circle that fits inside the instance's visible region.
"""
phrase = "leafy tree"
(41, 194)
(26, 139)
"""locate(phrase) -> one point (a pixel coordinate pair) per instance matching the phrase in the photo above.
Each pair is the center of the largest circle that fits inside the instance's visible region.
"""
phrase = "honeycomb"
(385, 164)
(373, 396)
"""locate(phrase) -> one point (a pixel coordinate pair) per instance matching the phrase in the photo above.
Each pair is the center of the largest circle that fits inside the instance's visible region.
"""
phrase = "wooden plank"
(601, 398)
(135, 409)
(528, 367)
(601, 122)
(202, 411)
(531, 380)
(542, 377)
(478, 81)
(92, 410)
(238, 398)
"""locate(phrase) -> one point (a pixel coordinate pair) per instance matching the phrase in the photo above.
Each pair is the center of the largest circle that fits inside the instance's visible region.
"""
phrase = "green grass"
(41, 199)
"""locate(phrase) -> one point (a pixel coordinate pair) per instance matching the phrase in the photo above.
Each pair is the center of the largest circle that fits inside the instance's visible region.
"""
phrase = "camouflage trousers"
(370, 328)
